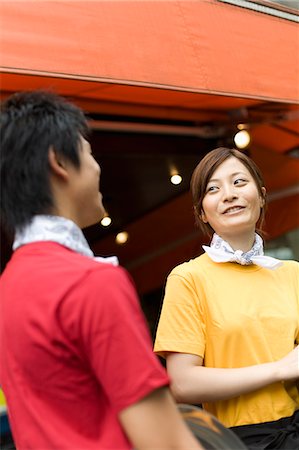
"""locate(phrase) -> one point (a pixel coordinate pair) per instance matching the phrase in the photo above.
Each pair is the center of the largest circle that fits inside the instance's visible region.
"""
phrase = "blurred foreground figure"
(76, 364)
(229, 327)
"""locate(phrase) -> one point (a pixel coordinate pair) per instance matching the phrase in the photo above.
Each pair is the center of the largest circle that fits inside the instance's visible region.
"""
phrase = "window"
(284, 247)
(293, 4)
(284, 9)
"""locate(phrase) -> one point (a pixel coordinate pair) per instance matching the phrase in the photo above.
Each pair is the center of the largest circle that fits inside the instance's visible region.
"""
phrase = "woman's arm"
(194, 383)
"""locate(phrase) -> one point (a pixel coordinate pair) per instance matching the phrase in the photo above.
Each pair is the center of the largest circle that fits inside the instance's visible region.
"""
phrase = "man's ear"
(57, 164)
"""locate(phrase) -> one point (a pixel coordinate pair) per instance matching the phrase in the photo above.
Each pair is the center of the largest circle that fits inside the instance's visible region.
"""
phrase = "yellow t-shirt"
(3, 407)
(234, 316)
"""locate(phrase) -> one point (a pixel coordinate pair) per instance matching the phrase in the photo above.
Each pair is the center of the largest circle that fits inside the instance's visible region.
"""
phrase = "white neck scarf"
(60, 230)
(221, 251)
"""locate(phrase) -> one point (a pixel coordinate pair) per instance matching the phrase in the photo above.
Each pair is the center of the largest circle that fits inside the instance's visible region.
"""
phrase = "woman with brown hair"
(229, 326)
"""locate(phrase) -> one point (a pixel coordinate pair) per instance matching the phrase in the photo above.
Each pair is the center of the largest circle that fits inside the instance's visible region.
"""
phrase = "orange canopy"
(199, 46)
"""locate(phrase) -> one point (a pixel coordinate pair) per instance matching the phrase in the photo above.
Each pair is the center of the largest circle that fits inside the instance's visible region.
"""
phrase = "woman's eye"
(240, 181)
(211, 188)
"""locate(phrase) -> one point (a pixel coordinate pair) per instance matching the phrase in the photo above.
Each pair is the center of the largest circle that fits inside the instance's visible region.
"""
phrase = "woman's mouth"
(233, 209)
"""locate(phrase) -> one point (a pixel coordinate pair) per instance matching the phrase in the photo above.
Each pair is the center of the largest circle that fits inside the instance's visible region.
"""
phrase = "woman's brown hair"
(205, 169)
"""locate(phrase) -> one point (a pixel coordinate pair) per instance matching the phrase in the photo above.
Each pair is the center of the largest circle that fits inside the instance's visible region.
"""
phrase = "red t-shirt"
(74, 349)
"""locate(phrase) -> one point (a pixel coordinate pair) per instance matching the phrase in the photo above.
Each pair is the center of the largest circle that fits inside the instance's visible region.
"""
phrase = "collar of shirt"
(221, 251)
(57, 229)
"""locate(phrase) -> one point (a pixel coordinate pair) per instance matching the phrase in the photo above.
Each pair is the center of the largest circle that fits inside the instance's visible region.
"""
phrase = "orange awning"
(197, 46)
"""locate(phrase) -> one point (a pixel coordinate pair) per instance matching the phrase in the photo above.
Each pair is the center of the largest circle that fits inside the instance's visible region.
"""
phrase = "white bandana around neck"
(57, 229)
(221, 251)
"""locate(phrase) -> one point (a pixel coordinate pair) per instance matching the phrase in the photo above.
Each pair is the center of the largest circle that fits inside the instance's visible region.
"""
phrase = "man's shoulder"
(49, 259)
(94, 271)
(91, 272)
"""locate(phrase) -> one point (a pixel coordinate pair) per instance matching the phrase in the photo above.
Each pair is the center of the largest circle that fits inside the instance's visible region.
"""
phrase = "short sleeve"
(114, 339)
(181, 326)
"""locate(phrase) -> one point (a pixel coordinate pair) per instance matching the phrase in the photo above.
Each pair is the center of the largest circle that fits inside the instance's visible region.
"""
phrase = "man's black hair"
(31, 123)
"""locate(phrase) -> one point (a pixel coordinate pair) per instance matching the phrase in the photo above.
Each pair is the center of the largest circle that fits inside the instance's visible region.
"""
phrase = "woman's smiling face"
(232, 202)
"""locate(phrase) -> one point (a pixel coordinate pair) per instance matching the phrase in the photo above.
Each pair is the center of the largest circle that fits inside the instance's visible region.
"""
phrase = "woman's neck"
(243, 243)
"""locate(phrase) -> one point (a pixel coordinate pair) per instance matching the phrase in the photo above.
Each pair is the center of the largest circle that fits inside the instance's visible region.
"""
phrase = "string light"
(176, 179)
(106, 221)
(122, 237)
(242, 139)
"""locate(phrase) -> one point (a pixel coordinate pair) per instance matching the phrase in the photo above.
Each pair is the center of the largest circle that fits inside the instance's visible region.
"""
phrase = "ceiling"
(137, 153)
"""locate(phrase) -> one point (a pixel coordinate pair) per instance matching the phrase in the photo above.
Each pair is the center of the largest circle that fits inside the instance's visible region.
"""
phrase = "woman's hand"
(288, 367)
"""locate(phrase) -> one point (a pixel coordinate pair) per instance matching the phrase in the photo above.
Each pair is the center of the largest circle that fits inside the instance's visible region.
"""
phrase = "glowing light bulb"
(122, 237)
(242, 139)
(176, 179)
(106, 221)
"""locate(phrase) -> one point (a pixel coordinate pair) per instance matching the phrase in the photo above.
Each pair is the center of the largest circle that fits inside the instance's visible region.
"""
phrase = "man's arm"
(155, 423)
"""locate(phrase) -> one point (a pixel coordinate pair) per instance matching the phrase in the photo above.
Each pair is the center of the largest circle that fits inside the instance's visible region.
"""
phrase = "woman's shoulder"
(290, 266)
(190, 267)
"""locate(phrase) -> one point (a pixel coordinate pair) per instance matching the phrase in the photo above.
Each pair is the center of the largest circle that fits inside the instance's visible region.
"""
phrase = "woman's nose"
(229, 192)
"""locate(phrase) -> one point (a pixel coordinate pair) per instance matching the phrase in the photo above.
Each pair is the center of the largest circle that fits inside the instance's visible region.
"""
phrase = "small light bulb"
(122, 237)
(106, 221)
(176, 179)
(242, 139)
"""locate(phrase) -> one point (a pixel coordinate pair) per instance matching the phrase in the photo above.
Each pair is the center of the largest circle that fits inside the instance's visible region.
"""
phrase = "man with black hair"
(76, 363)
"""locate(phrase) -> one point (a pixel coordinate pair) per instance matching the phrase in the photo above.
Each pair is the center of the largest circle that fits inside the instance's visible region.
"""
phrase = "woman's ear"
(203, 216)
(57, 164)
(263, 197)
